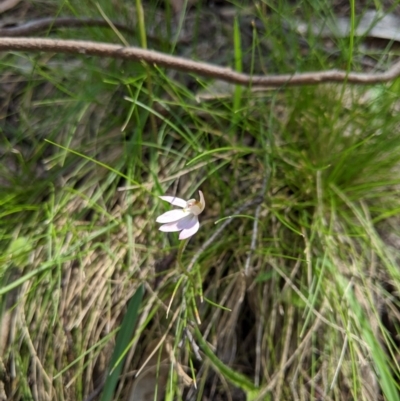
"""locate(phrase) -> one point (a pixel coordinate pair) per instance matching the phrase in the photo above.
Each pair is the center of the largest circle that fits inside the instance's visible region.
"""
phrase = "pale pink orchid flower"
(186, 219)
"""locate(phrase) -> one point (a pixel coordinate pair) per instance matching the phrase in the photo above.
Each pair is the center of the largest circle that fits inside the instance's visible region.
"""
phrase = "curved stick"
(191, 66)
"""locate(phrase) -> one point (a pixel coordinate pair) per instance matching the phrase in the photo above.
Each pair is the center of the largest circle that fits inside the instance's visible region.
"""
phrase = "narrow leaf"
(122, 342)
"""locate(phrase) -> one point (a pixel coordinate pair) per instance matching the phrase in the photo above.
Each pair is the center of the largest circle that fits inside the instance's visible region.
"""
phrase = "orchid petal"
(173, 200)
(202, 201)
(170, 227)
(197, 207)
(184, 224)
(190, 227)
(185, 219)
(172, 216)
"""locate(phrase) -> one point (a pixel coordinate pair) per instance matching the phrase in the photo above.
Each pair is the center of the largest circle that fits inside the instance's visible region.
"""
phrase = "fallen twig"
(191, 66)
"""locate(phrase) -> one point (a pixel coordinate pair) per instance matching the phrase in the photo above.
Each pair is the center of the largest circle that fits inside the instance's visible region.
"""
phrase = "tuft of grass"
(88, 145)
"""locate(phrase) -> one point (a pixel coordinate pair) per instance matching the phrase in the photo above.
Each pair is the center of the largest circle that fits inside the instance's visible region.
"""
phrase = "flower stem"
(182, 247)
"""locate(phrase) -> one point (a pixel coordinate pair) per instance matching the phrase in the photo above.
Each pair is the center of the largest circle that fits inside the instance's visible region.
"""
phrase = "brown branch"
(191, 66)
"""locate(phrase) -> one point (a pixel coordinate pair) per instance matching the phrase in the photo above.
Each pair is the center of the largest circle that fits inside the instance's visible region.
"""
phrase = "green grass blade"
(235, 378)
(238, 67)
(123, 338)
(379, 356)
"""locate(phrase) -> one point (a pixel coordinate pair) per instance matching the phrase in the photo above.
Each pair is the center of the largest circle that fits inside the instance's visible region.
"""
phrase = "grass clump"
(293, 294)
